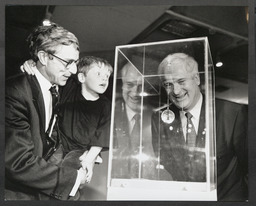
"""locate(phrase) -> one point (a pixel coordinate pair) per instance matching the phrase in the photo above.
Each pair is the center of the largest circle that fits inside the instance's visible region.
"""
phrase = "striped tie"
(191, 132)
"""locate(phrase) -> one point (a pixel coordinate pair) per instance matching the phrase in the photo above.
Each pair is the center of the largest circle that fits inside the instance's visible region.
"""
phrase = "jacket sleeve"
(24, 164)
(155, 133)
(240, 137)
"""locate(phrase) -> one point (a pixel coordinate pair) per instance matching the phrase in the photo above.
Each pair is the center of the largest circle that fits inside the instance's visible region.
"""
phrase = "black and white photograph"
(128, 102)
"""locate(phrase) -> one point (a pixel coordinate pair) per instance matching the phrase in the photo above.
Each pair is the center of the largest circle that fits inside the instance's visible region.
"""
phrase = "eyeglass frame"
(68, 63)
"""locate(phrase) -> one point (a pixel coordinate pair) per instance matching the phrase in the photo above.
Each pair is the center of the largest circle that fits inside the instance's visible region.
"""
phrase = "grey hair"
(189, 62)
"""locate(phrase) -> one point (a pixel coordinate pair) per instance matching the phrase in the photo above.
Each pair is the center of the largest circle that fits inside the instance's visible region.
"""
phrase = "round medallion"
(167, 116)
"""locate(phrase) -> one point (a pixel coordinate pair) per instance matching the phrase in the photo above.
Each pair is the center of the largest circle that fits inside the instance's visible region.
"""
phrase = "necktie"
(55, 99)
(191, 132)
(134, 143)
(195, 162)
(52, 140)
(136, 128)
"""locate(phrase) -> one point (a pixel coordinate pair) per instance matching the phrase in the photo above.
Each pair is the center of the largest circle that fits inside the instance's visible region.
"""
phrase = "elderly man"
(182, 141)
(33, 152)
(133, 155)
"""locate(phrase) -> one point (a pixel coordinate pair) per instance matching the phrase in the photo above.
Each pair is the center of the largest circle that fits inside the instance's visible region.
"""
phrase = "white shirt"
(195, 111)
(130, 114)
(45, 85)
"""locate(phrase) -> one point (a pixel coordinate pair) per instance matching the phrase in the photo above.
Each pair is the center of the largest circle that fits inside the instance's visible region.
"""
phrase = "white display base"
(123, 189)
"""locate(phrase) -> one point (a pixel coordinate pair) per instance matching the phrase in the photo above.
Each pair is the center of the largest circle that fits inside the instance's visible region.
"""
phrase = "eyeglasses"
(68, 63)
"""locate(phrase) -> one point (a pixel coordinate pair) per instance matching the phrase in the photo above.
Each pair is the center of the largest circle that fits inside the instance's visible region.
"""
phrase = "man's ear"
(43, 57)
(81, 77)
(197, 79)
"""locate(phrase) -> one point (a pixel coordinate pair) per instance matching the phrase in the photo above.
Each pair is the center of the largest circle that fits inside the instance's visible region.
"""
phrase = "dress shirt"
(195, 111)
(130, 114)
(45, 85)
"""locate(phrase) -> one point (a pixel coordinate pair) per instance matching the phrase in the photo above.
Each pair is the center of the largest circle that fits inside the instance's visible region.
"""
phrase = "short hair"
(47, 38)
(189, 62)
(125, 70)
(84, 64)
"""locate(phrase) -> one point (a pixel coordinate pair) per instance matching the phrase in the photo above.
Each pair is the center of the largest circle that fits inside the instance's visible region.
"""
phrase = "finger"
(22, 68)
(82, 157)
(81, 186)
(88, 180)
(84, 167)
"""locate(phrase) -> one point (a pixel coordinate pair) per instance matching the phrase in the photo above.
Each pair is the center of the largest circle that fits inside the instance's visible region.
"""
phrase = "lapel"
(200, 140)
(38, 101)
(121, 131)
(173, 134)
(175, 128)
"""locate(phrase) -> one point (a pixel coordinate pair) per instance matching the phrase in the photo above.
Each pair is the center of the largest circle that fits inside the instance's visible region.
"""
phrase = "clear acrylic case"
(138, 167)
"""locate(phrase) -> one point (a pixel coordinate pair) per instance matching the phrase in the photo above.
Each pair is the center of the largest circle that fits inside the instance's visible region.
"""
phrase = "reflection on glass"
(150, 127)
(167, 115)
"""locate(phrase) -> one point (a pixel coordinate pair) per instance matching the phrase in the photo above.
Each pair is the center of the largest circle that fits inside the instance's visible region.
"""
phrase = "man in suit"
(129, 135)
(33, 155)
(182, 142)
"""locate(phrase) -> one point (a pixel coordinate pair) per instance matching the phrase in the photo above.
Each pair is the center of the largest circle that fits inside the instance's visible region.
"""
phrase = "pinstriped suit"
(27, 175)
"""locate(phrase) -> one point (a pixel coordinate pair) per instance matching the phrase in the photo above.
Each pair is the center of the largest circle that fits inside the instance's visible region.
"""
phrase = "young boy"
(84, 113)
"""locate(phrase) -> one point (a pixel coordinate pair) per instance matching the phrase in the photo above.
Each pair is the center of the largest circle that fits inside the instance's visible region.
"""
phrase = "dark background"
(101, 28)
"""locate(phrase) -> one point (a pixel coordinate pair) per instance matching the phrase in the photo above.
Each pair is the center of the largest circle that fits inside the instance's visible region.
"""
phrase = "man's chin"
(180, 105)
(62, 83)
(135, 107)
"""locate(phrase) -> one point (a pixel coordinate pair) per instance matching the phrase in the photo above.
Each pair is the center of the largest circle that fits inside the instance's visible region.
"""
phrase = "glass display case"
(156, 151)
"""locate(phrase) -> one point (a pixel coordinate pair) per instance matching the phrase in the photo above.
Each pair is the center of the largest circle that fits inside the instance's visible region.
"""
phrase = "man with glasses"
(182, 141)
(33, 152)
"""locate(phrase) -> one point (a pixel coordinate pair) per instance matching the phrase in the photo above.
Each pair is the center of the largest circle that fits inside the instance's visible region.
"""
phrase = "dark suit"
(231, 146)
(232, 151)
(122, 153)
(175, 156)
(27, 174)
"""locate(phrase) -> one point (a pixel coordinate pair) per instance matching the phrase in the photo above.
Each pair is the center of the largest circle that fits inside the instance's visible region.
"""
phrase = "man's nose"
(73, 69)
(176, 88)
(137, 89)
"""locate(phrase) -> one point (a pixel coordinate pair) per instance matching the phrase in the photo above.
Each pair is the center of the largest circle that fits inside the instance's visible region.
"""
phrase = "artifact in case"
(146, 162)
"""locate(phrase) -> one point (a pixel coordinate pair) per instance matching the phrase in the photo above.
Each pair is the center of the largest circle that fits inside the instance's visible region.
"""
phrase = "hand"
(83, 177)
(88, 166)
(83, 156)
(29, 67)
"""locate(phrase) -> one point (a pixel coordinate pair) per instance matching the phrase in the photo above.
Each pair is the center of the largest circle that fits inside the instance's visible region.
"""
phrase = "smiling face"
(97, 78)
(55, 70)
(131, 89)
(182, 85)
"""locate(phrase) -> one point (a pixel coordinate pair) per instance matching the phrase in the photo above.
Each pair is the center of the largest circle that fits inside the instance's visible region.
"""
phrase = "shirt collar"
(130, 113)
(195, 111)
(43, 82)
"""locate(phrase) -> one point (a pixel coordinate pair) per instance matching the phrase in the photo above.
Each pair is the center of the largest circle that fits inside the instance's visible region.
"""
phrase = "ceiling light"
(47, 22)
(219, 63)
(47, 18)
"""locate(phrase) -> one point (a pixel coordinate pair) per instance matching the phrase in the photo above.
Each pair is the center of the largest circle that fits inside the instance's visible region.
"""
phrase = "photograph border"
(251, 82)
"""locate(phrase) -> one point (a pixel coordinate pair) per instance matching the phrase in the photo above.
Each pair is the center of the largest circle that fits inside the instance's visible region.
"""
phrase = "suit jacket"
(231, 146)
(175, 156)
(27, 174)
(122, 153)
(232, 151)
